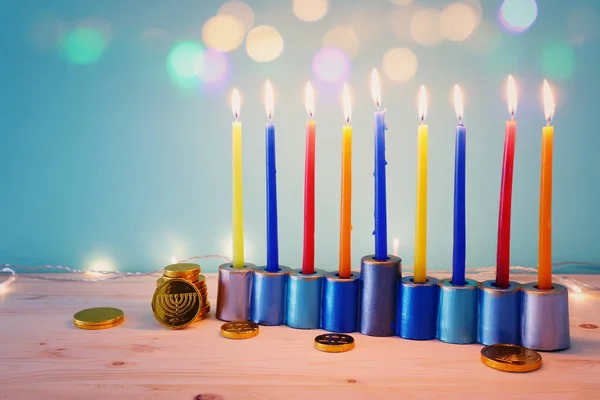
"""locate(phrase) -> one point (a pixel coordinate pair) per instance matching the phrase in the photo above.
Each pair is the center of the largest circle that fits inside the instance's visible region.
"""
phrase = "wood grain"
(42, 355)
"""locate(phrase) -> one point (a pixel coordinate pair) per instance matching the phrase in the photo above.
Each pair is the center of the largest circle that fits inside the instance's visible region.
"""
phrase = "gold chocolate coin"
(183, 270)
(334, 342)
(176, 303)
(511, 358)
(239, 329)
(98, 318)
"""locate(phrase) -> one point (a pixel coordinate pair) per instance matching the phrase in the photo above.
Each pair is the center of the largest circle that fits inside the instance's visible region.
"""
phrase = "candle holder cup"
(499, 317)
(233, 296)
(545, 318)
(417, 309)
(267, 304)
(457, 312)
(303, 306)
(378, 296)
(339, 311)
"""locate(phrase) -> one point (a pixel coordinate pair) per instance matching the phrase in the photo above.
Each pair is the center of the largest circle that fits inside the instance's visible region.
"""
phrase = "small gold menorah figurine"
(177, 304)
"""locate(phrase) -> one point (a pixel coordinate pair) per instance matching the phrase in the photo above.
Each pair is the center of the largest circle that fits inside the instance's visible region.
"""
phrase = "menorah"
(176, 304)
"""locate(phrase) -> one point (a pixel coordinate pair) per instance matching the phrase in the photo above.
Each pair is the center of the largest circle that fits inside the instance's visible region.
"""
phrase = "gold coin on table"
(176, 303)
(183, 270)
(511, 358)
(98, 318)
(334, 342)
(239, 329)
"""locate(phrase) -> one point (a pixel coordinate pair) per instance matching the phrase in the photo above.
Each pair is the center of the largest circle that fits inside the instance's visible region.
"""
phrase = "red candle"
(503, 251)
(308, 253)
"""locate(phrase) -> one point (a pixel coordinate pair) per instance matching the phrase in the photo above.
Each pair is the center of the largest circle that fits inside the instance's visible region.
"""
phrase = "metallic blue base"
(499, 314)
(457, 312)
(417, 309)
(267, 305)
(379, 287)
(340, 303)
(303, 308)
(545, 318)
(233, 296)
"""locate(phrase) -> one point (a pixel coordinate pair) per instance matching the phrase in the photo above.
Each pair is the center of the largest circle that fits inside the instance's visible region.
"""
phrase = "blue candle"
(380, 183)
(272, 236)
(460, 239)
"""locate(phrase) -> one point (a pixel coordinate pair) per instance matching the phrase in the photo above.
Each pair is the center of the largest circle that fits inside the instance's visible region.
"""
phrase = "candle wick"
(512, 115)
(236, 117)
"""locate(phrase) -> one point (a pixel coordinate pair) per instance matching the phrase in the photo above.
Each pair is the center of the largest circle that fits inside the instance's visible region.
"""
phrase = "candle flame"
(458, 103)
(309, 100)
(235, 103)
(375, 88)
(422, 103)
(511, 91)
(347, 103)
(548, 102)
(269, 99)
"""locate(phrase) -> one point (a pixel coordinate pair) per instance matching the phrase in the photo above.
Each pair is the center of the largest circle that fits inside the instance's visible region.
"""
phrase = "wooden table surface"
(43, 356)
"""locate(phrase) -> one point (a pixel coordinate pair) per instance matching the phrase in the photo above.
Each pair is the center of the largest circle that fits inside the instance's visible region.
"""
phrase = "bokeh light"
(400, 64)
(83, 46)
(361, 22)
(399, 19)
(517, 15)
(477, 9)
(240, 10)
(331, 65)
(558, 61)
(487, 38)
(100, 25)
(425, 27)
(310, 10)
(401, 2)
(264, 43)
(582, 26)
(343, 38)
(181, 64)
(223, 33)
(457, 22)
(46, 32)
(211, 66)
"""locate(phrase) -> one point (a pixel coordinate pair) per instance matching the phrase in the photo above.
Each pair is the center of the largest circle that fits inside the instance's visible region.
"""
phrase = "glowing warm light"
(400, 64)
(269, 99)
(309, 100)
(425, 27)
(98, 267)
(235, 103)
(422, 103)
(240, 10)
(264, 43)
(331, 65)
(511, 91)
(223, 32)
(375, 88)
(342, 38)
(173, 260)
(310, 10)
(458, 21)
(458, 103)
(548, 102)
(347, 103)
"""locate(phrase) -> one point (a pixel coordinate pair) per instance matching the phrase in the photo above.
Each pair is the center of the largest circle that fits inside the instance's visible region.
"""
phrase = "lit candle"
(545, 234)
(272, 237)
(345, 266)
(420, 271)
(237, 202)
(308, 255)
(459, 251)
(380, 183)
(503, 251)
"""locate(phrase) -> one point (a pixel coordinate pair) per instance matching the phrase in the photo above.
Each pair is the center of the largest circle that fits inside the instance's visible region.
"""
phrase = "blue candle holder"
(545, 318)
(457, 312)
(379, 287)
(267, 306)
(233, 296)
(417, 309)
(340, 303)
(304, 300)
(499, 314)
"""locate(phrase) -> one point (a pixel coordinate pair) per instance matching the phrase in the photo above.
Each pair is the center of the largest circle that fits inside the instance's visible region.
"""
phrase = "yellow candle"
(545, 227)
(421, 212)
(345, 266)
(237, 201)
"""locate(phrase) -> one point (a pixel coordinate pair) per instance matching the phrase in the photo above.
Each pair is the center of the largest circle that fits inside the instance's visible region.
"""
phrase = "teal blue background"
(113, 161)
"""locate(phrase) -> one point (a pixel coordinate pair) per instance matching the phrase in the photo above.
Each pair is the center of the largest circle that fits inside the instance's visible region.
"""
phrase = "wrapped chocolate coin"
(239, 329)
(183, 270)
(334, 343)
(511, 358)
(98, 318)
(176, 303)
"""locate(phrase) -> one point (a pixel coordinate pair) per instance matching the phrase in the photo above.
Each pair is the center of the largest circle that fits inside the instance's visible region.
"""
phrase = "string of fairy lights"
(16, 271)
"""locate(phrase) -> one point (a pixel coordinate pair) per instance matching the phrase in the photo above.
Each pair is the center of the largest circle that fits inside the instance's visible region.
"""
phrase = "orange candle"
(345, 266)
(545, 228)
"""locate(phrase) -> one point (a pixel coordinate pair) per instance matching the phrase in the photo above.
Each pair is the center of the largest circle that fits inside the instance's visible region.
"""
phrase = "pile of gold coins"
(181, 296)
